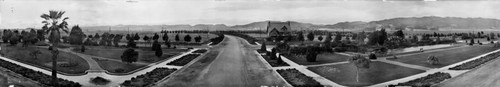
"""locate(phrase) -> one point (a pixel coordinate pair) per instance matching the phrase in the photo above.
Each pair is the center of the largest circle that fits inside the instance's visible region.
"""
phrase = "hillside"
(427, 22)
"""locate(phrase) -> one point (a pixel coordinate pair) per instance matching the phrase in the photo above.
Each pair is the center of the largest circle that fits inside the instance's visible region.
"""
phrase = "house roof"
(280, 26)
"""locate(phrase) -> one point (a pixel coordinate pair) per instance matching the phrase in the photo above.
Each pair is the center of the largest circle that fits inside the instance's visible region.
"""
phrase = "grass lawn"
(345, 74)
(112, 66)
(446, 57)
(20, 54)
(145, 55)
(321, 59)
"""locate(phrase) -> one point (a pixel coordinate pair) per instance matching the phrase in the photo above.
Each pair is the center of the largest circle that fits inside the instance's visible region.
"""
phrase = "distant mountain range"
(427, 22)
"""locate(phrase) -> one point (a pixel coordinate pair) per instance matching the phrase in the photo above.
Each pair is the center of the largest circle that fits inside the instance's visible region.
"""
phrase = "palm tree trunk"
(54, 70)
(357, 74)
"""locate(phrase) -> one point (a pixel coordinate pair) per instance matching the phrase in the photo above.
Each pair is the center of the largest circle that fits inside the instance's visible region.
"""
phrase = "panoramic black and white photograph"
(249, 43)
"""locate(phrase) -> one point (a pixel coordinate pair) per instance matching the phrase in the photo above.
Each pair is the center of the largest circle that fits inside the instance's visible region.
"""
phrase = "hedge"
(477, 62)
(426, 81)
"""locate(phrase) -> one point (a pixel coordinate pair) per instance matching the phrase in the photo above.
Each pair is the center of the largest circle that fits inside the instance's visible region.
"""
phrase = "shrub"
(311, 57)
(130, 55)
(372, 56)
(433, 60)
(426, 81)
(99, 81)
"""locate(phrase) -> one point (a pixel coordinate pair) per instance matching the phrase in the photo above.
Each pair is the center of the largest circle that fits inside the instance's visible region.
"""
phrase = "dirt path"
(235, 66)
(484, 76)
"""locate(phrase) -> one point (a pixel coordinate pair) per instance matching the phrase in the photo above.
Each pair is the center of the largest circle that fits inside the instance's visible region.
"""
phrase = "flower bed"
(36, 75)
(273, 63)
(474, 63)
(426, 81)
(184, 60)
(297, 79)
(148, 78)
(200, 51)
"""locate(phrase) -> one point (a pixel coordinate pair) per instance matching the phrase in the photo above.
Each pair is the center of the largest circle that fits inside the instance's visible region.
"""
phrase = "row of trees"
(14, 37)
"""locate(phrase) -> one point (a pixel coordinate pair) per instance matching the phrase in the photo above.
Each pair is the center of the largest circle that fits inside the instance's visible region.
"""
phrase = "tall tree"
(197, 39)
(338, 37)
(399, 34)
(310, 36)
(96, 36)
(52, 19)
(117, 39)
(156, 37)
(76, 35)
(130, 56)
(6, 35)
(328, 38)
(177, 37)
(360, 62)
(320, 38)
(157, 48)
(382, 37)
(165, 39)
(300, 36)
(187, 38)
(146, 38)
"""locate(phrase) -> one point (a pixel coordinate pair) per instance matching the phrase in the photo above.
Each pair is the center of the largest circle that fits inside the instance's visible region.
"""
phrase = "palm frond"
(53, 14)
(60, 14)
(65, 18)
(45, 16)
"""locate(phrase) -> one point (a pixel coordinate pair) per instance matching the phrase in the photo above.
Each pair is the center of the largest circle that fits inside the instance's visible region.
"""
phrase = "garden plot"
(322, 58)
(67, 63)
(145, 55)
(446, 57)
(345, 74)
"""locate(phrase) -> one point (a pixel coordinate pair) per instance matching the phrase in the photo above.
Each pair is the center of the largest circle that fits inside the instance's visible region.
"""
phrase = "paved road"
(485, 76)
(236, 66)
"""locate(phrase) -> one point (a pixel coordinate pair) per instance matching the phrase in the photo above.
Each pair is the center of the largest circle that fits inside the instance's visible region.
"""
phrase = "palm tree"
(52, 19)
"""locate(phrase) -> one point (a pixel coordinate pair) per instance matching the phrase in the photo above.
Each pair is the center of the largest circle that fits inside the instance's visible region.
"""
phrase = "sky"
(26, 13)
